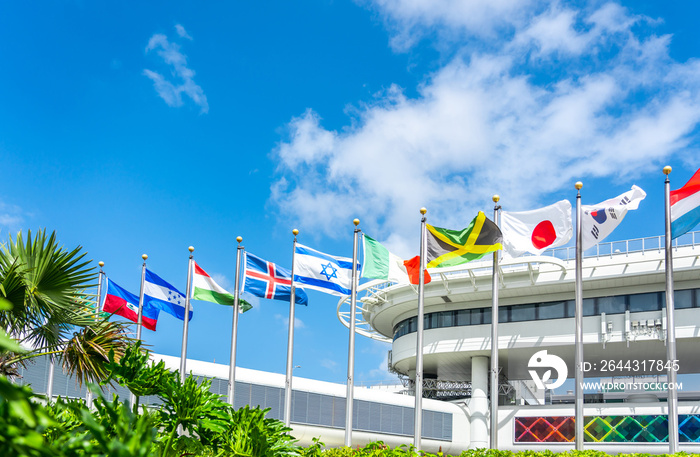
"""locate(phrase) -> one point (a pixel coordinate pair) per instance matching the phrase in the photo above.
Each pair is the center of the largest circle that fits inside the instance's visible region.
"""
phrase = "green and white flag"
(205, 288)
(379, 263)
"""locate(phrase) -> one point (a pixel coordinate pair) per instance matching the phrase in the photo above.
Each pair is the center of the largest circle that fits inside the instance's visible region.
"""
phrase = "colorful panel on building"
(606, 429)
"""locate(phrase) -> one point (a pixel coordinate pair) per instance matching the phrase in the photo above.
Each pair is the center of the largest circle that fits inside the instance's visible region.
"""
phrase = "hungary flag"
(446, 247)
(379, 263)
(205, 288)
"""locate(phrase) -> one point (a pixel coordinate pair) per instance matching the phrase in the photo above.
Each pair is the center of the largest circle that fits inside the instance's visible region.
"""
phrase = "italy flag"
(685, 207)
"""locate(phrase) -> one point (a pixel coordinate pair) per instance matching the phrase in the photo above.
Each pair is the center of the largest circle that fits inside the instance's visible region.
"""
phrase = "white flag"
(600, 220)
(327, 273)
(536, 230)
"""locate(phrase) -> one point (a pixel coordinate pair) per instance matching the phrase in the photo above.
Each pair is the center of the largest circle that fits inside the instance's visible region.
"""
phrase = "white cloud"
(298, 323)
(182, 32)
(171, 92)
(560, 30)
(411, 20)
(11, 218)
(378, 350)
(613, 103)
(381, 373)
(329, 364)
(222, 281)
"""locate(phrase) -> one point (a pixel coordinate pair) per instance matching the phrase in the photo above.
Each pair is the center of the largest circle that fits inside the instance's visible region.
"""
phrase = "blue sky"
(136, 128)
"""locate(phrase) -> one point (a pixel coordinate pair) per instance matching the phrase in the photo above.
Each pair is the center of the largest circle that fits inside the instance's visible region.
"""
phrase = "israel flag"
(327, 273)
(161, 294)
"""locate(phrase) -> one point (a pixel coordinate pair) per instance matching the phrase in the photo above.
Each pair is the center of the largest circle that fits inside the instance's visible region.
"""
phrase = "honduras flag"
(162, 295)
(327, 273)
(267, 280)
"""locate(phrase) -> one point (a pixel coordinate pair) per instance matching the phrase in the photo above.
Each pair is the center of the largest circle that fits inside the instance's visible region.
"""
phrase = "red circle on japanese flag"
(543, 235)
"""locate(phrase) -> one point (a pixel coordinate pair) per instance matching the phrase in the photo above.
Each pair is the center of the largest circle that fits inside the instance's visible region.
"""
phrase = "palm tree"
(50, 312)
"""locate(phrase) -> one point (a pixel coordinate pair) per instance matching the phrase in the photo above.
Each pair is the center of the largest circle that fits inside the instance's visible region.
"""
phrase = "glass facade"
(617, 304)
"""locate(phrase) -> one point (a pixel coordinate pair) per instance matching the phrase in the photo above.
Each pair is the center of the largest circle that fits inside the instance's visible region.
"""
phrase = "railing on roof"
(373, 290)
(635, 245)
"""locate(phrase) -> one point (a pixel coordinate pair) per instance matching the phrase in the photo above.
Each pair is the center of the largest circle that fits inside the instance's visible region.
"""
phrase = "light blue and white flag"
(161, 294)
(327, 273)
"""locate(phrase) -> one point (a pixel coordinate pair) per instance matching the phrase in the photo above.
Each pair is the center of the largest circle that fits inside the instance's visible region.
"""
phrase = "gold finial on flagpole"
(423, 210)
(496, 198)
(667, 170)
(295, 232)
(578, 185)
(191, 249)
(356, 222)
(101, 264)
(144, 257)
(239, 239)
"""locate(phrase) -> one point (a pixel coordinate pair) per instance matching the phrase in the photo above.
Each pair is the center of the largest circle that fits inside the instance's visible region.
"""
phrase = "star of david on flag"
(161, 294)
(332, 273)
(267, 280)
(323, 272)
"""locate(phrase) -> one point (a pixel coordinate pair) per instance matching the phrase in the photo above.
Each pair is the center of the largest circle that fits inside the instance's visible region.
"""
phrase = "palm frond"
(44, 283)
(87, 352)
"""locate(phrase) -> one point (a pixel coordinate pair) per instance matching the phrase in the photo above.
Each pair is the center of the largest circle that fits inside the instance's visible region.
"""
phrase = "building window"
(522, 313)
(617, 304)
(644, 302)
(612, 305)
(554, 310)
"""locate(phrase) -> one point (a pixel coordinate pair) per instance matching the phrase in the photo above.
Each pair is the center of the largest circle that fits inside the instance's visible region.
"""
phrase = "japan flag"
(536, 230)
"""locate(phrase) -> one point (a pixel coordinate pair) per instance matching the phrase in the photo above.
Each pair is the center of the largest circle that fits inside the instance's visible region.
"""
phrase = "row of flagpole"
(234, 331)
(672, 399)
(494, 370)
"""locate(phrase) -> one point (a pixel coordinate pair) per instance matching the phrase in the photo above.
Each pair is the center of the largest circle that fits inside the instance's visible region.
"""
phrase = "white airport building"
(624, 348)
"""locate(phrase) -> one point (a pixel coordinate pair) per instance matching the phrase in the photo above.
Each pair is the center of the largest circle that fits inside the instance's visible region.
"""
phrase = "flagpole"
(494, 338)
(140, 316)
(143, 281)
(672, 399)
(351, 346)
(578, 339)
(186, 321)
(290, 343)
(88, 394)
(418, 421)
(49, 384)
(234, 328)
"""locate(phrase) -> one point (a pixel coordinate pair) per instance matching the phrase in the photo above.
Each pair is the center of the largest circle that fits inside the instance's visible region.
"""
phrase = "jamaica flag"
(453, 247)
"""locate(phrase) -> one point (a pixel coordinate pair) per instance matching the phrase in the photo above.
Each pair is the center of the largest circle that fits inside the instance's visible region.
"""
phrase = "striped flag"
(379, 263)
(685, 207)
(206, 289)
(315, 270)
(163, 295)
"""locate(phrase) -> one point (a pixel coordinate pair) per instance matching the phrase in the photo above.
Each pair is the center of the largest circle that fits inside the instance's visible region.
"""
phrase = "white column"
(479, 403)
